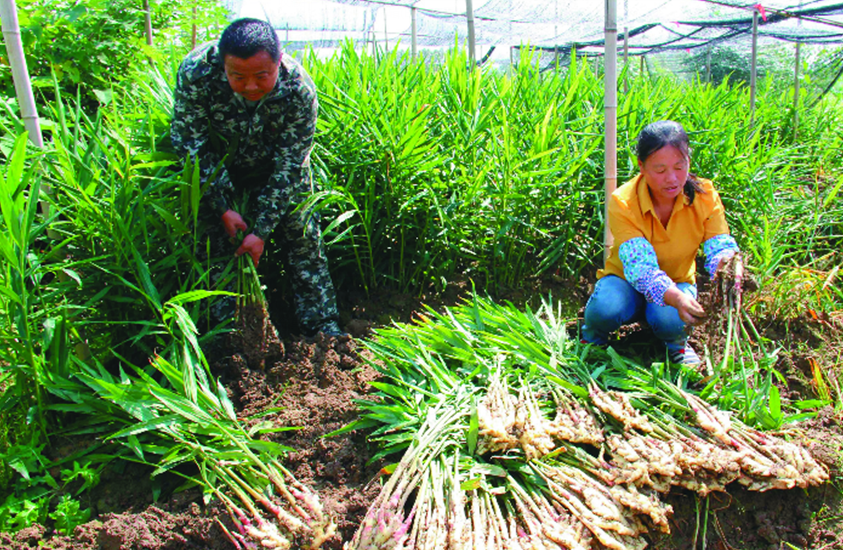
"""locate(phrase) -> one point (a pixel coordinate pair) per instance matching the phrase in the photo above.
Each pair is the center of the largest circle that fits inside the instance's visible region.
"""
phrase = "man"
(247, 114)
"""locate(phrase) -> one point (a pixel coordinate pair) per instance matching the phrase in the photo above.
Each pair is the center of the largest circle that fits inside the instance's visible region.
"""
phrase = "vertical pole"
(469, 15)
(610, 94)
(147, 16)
(193, 29)
(413, 32)
(796, 93)
(385, 35)
(796, 86)
(20, 73)
(556, 34)
(754, 67)
(511, 68)
(625, 46)
(29, 115)
(708, 63)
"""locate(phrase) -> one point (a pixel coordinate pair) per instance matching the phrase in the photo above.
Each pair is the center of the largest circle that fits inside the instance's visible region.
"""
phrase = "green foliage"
(434, 171)
(431, 171)
(17, 513)
(36, 491)
(68, 515)
(728, 64)
(94, 43)
(122, 251)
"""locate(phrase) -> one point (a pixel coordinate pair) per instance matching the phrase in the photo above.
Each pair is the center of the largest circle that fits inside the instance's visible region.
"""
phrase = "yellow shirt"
(631, 215)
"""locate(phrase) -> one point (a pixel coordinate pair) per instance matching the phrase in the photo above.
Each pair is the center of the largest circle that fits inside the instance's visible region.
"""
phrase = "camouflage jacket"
(216, 126)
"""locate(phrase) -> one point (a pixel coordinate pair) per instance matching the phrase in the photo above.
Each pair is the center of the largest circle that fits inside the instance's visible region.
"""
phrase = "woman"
(658, 221)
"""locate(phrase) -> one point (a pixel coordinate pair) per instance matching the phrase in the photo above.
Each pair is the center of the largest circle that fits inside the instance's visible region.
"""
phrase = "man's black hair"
(245, 37)
(660, 134)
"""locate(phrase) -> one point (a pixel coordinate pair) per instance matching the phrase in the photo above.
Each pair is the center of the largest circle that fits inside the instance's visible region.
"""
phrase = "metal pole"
(469, 15)
(413, 32)
(754, 67)
(610, 93)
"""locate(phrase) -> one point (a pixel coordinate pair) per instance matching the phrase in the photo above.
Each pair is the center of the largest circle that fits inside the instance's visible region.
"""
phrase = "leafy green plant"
(18, 513)
(90, 45)
(35, 491)
(68, 514)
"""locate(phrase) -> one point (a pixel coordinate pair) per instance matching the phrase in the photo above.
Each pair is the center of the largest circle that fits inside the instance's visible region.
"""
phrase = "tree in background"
(728, 62)
(93, 43)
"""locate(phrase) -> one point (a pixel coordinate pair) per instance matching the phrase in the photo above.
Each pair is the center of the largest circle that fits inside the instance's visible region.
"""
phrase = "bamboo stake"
(469, 14)
(708, 63)
(193, 30)
(414, 32)
(796, 94)
(147, 16)
(20, 73)
(29, 112)
(626, 46)
(796, 86)
(610, 92)
(754, 67)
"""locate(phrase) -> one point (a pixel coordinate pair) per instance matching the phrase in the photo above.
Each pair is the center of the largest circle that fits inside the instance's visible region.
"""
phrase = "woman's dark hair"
(665, 133)
(245, 37)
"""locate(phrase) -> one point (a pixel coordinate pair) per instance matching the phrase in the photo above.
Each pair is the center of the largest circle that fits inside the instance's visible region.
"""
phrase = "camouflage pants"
(303, 254)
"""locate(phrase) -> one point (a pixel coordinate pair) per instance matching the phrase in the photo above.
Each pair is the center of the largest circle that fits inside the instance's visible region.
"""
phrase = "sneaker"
(683, 356)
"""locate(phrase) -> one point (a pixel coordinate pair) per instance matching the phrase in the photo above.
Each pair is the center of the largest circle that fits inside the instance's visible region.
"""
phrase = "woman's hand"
(724, 261)
(690, 310)
(232, 221)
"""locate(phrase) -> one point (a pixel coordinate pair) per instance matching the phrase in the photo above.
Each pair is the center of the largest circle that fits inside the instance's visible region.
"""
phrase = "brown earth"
(314, 384)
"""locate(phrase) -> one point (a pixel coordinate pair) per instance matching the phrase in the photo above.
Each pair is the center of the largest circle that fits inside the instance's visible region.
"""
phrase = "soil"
(314, 383)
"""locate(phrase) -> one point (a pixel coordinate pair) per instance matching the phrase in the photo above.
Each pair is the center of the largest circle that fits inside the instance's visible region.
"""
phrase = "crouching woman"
(658, 220)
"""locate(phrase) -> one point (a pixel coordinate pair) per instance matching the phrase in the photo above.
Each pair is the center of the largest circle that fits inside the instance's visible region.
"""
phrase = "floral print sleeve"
(717, 248)
(641, 270)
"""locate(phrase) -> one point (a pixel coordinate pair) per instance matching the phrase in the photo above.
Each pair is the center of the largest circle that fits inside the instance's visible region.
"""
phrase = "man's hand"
(690, 311)
(232, 221)
(253, 245)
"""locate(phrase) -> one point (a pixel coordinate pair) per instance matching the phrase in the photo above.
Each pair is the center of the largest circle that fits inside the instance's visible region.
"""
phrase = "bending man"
(247, 113)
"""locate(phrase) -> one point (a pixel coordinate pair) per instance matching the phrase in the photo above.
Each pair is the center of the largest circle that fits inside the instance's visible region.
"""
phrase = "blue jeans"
(615, 302)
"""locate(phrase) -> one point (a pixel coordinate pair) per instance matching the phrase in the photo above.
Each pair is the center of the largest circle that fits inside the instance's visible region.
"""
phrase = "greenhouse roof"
(652, 25)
